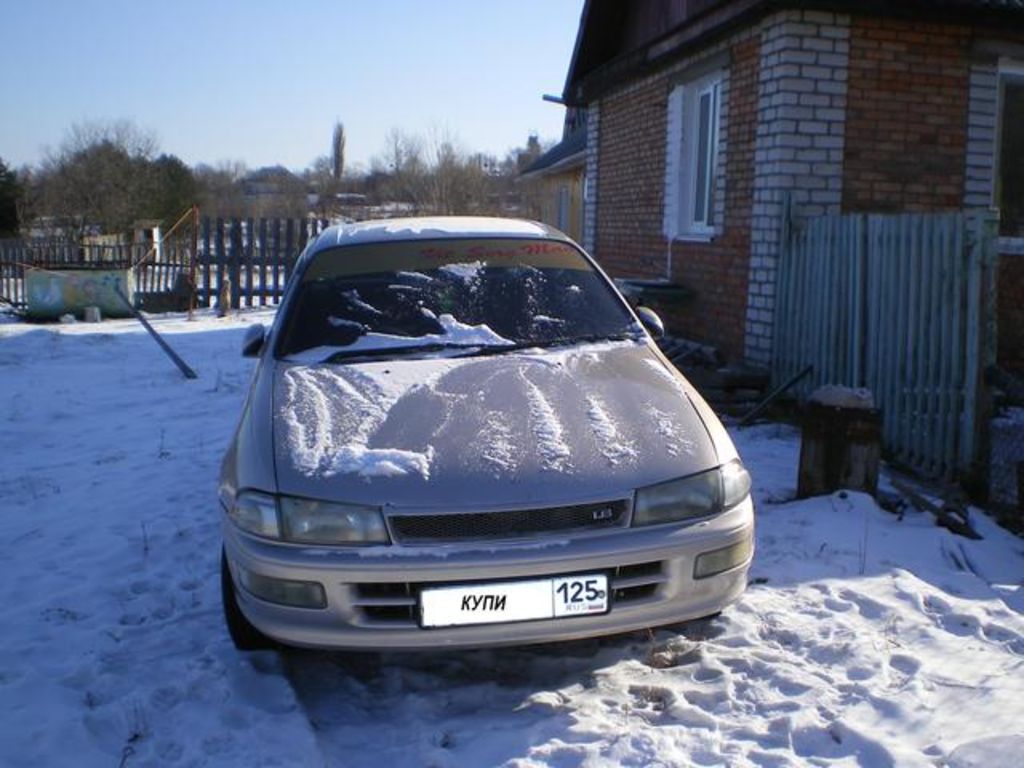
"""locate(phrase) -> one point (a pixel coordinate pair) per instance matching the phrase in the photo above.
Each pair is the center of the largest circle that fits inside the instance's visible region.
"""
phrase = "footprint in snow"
(165, 698)
(870, 609)
(859, 674)
(903, 669)
(60, 615)
(995, 633)
(709, 701)
(650, 702)
(705, 674)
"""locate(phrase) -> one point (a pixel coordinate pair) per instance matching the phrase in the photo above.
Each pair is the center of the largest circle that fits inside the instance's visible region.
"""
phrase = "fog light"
(720, 560)
(299, 594)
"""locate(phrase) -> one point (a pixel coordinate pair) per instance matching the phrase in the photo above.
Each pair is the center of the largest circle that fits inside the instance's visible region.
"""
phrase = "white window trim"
(681, 160)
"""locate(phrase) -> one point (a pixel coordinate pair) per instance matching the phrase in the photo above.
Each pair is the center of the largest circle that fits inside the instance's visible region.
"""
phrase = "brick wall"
(630, 201)
(802, 99)
(906, 132)
(631, 159)
(718, 270)
(837, 113)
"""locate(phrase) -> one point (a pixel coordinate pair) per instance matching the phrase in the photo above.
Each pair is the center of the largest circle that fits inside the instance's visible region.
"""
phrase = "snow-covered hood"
(536, 427)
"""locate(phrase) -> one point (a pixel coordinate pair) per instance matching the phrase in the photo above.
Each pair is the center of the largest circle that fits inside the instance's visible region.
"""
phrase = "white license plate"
(506, 601)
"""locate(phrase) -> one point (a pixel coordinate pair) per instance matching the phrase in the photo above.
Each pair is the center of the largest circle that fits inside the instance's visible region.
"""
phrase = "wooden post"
(263, 262)
(247, 249)
(278, 259)
(981, 332)
(839, 448)
(193, 264)
(218, 247)
(182, 365)
(235, 262)
(207, 257)
(289, 247)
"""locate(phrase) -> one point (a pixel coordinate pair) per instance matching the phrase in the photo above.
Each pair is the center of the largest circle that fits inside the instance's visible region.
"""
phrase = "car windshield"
(415, 296)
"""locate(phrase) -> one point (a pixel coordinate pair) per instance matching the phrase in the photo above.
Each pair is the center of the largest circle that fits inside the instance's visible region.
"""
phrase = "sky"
(264, 82)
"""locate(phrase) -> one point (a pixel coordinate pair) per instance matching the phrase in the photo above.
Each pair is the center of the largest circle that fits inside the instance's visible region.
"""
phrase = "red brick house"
(703, 115)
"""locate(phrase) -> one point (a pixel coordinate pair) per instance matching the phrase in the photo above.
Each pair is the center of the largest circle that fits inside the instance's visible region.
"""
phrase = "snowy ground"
(864, 640)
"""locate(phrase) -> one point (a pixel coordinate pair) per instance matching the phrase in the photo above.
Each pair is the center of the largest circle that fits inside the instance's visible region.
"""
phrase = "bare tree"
(220, 188)
(100, 177)
(437, 175)
(405, 173)
(136, 142)
(459, 181)
(319, 176)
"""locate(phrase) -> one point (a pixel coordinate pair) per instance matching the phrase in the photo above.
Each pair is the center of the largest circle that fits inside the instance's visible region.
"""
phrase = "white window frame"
(691, 202)
(1008, 70)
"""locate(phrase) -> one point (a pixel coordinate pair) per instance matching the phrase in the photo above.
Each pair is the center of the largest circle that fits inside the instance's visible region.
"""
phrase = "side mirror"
(252, 344)
(650, 320)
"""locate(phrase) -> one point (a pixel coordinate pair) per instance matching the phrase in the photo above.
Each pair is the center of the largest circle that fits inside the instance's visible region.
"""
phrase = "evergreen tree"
(172, 189)
(338, 152)
(10, 190)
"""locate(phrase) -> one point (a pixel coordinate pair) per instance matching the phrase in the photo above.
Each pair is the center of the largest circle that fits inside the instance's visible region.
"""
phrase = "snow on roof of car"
(432, 228)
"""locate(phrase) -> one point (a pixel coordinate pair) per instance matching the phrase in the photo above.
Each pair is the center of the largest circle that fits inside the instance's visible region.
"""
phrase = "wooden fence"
(257, 256)
(904, 306)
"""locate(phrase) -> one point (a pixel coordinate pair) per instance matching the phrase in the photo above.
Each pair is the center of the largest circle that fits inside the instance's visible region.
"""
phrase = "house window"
(693, 149)
(1010, 175)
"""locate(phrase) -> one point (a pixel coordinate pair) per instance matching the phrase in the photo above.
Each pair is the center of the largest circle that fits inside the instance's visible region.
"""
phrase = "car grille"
(395, 605)
(519, 523)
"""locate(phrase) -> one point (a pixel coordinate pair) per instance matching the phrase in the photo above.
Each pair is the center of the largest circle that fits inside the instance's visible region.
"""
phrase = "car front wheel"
(243, 634)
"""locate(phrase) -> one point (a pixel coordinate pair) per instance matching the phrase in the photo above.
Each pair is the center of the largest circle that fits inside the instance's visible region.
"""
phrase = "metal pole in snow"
(182, 365)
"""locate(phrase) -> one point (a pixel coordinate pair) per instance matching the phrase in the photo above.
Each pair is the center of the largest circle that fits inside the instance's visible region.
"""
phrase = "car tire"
(243, 634)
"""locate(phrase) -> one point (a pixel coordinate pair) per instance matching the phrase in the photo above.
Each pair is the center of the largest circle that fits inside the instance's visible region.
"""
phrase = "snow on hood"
(597, 420)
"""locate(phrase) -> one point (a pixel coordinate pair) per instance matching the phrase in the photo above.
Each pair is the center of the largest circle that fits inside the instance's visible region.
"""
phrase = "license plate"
(493, 603)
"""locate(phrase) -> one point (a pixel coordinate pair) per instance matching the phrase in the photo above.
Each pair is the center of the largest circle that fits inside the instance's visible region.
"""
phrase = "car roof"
(432, 228)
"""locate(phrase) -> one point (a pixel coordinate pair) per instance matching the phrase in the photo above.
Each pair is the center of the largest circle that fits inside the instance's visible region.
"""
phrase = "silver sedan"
(459, 434)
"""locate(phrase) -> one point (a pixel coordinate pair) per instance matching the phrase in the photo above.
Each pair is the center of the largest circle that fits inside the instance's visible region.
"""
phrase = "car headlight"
(307, 521)
(256, 513)
(692, 497)
(322, 522)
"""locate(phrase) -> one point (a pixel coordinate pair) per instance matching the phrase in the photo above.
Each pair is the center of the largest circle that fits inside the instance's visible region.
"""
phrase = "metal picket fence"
(902, 305)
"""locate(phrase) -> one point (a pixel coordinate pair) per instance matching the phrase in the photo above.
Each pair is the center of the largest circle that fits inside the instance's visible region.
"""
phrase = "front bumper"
(372, 593)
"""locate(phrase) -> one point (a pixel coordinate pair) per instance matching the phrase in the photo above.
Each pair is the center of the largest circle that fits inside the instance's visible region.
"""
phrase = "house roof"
(567, 153)
(616, 40)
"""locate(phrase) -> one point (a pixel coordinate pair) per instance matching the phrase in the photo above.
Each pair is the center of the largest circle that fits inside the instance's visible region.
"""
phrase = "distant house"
(704, 115)
(274, 190)
(559, 178)
(271, 181)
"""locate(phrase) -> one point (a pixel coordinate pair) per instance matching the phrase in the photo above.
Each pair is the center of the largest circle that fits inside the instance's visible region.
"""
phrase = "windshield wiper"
(397, 351)
(561, 341)
(477, 349)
